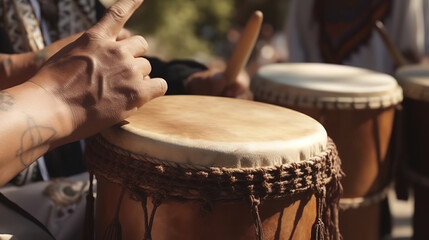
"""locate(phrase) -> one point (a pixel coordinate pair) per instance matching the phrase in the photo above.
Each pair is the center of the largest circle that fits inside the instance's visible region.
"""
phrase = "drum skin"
(362, 132)
(282, 218)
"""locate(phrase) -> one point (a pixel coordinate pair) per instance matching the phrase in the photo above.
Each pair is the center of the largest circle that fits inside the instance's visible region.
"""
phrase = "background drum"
(357, 108)
(197, 167)
(414, 80)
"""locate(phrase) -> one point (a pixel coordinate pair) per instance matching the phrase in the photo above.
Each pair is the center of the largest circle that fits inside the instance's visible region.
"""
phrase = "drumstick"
(244, 47)
(396, 54)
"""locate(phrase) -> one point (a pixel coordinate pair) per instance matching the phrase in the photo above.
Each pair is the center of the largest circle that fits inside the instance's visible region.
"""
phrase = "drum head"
(219, 132)
(414, 79)
(319, 85)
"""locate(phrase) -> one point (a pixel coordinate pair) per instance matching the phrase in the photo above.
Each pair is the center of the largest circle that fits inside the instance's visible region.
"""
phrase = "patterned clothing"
(406, 23)
(345, 25)
(30, 25)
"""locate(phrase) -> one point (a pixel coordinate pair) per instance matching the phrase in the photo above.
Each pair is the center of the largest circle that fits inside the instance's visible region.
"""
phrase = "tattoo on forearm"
(5, 61)
(34, 136)
(6, 101)
(41, 56)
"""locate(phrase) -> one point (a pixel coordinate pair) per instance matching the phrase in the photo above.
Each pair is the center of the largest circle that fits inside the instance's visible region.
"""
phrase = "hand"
(100, 80)
(123, 34)
(212, 82)
(16, 69)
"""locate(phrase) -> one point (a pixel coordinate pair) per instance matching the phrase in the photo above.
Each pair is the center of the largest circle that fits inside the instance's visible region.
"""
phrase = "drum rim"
(119, 166)
(411, 80)
(268, 91)
(223, 153)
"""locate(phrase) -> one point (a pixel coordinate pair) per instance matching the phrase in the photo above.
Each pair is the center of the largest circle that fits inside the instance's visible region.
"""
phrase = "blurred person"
(270, 48)
(342, 32)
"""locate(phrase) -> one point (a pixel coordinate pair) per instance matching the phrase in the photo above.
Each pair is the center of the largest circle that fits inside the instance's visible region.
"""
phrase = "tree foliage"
(182, 28)
(198, 28)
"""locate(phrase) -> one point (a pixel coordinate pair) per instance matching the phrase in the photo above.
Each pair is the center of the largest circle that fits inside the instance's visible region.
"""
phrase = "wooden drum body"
(414, 79)
(357, 109)
(215, 168)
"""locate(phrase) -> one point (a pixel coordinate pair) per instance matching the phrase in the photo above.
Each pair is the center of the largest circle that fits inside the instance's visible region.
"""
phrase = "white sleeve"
(426, 26)
(294, 42)
(302, 32)
(408, 25)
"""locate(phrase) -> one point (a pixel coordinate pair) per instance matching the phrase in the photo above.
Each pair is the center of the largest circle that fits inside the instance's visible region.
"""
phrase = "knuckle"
(116, 52)
(142, 42)
(121, 49)
(147, 67)
(134, 3)
(117, 12)
(127, 73)
(90, 35)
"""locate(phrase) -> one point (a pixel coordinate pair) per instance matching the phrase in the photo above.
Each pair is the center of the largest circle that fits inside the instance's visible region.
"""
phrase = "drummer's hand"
(123, 34)
(46, 53)
(98, 79)
(212, 82)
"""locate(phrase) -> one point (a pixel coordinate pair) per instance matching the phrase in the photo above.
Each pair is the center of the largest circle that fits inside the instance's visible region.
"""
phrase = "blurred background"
(207, 30)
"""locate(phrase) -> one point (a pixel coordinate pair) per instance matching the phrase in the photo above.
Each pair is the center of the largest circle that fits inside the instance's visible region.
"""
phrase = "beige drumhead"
(219, 132)
(414, 79)
(319, 85)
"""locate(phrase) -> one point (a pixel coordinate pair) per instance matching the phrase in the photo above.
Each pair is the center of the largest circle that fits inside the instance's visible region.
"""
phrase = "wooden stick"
(244, 47)
(393, 50)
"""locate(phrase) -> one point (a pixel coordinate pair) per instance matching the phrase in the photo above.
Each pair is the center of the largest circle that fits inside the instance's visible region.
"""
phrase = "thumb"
(115, 18)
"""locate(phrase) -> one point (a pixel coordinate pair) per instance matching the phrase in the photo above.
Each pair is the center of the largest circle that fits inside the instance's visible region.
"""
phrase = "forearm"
(32, 123)
(18, 68)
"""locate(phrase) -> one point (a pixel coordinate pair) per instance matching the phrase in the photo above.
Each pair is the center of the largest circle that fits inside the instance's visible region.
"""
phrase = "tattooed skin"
(41, 56)
(35, 135)
(5, 61)
(6, 101)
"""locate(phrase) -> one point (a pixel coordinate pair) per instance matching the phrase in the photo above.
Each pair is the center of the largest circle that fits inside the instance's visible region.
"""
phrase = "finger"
(143, 65)
(157, 86)
(248, 95)
(152, 88)
(236, 89)
(136, 45)
(238, 93)
(115, 18)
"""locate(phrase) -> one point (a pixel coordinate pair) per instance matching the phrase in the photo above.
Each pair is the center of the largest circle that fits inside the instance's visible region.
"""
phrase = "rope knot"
(318, 230)
(254, 202)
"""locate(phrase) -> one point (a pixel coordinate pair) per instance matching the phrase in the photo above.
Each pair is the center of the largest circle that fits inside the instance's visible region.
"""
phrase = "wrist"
(32, 123)
(49, 110)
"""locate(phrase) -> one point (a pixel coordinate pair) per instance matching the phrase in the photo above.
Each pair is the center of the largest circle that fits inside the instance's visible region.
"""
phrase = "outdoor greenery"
(183, 28)
(198, 29)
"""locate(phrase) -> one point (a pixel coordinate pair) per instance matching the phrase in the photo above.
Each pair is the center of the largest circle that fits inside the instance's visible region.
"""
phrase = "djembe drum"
(195, 167)
(357, 109)
(414, 79)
